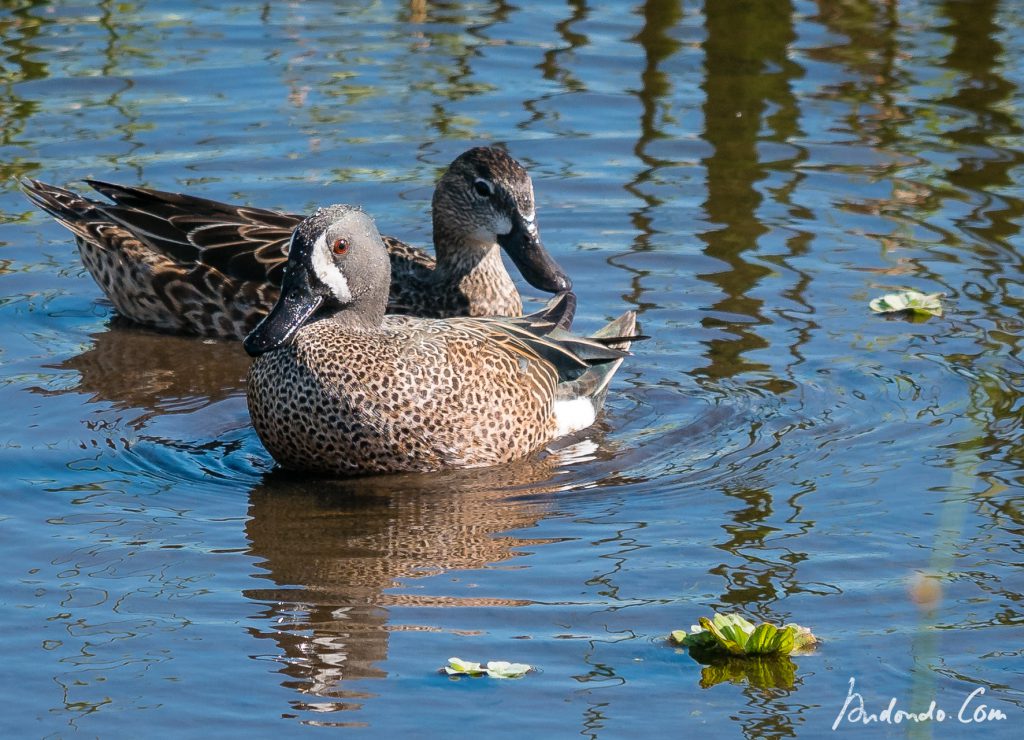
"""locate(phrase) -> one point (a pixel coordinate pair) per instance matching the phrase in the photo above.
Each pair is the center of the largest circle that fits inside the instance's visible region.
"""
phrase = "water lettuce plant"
(493, 669)
(910, 301)
(731, 634)
(735, 650)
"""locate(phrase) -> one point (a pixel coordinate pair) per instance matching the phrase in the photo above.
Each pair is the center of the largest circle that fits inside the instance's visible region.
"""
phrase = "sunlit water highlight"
(747, 175)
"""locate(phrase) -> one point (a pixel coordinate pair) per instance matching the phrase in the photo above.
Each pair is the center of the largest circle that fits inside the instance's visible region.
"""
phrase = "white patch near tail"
(574, 414)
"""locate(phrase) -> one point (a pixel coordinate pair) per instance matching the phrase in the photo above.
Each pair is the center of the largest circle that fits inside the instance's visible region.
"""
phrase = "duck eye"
(340, 246)
(483, 188)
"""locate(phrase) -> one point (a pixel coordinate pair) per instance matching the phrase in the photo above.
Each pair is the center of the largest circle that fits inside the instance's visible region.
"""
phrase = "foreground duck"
(338, 387)
(189, 265)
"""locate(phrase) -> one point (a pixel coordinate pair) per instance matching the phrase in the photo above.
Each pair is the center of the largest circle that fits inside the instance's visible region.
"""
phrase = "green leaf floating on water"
(493, 669)
(460, 667)
(504, 669)
(733, 635)
(910, 301)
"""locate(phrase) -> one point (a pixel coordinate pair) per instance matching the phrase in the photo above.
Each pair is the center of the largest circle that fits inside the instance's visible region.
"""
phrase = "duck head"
(337, 265)
(486, 197)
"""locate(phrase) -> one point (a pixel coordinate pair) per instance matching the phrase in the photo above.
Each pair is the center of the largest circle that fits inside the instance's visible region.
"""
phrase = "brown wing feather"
(241, 242)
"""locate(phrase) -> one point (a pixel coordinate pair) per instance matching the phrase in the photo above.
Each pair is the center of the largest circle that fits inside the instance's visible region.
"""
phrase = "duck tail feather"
(73, 211)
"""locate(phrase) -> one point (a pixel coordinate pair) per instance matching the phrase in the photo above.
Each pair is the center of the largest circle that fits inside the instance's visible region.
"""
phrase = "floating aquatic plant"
(733, 635)
(733, 649)
(910, 301)
(493, 669)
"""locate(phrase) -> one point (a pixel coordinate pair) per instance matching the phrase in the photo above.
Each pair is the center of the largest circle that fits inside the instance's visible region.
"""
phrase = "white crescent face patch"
(530, 215)
(502, 224)
(328, 272)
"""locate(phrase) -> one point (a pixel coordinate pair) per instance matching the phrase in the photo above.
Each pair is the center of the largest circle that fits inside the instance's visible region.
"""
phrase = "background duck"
(184, 264)
(338, 387)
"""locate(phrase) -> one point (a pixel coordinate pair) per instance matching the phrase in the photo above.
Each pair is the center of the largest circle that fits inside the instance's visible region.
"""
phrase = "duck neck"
(475, 267)
(366, 314)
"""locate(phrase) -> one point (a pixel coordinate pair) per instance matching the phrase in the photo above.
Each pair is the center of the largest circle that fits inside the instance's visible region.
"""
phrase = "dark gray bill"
(297, 303)
(523, 245)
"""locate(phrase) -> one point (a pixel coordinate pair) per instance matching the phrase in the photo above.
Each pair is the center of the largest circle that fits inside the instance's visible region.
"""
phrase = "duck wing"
(242, 242)
(540, 335)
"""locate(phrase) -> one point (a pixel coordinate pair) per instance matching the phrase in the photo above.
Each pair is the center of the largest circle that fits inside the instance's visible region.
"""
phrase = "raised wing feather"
(242, 242)
(539, 336)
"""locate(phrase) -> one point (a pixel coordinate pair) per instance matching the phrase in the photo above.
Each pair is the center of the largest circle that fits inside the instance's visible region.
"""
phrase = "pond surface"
(747, 175)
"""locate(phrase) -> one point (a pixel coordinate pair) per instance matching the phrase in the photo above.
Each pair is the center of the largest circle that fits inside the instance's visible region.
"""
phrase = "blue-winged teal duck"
(338, 387)
(184, 264)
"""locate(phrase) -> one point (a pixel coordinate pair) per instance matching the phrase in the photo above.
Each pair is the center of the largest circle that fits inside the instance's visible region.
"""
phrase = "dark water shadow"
(337, 556)
(133, 367)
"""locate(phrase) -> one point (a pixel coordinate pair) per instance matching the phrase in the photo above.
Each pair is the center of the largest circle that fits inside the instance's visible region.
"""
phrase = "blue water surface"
(746, 175)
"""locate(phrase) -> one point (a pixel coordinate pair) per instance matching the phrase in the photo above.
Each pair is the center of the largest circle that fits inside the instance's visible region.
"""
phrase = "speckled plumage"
(359, 392)
(190, 265)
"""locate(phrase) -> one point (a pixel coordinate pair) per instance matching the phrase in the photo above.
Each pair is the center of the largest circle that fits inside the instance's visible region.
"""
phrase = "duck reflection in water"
(337, 554)
(133, 367)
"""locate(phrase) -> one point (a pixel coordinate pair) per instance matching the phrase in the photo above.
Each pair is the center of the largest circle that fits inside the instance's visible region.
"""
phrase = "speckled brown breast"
(413, 395)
